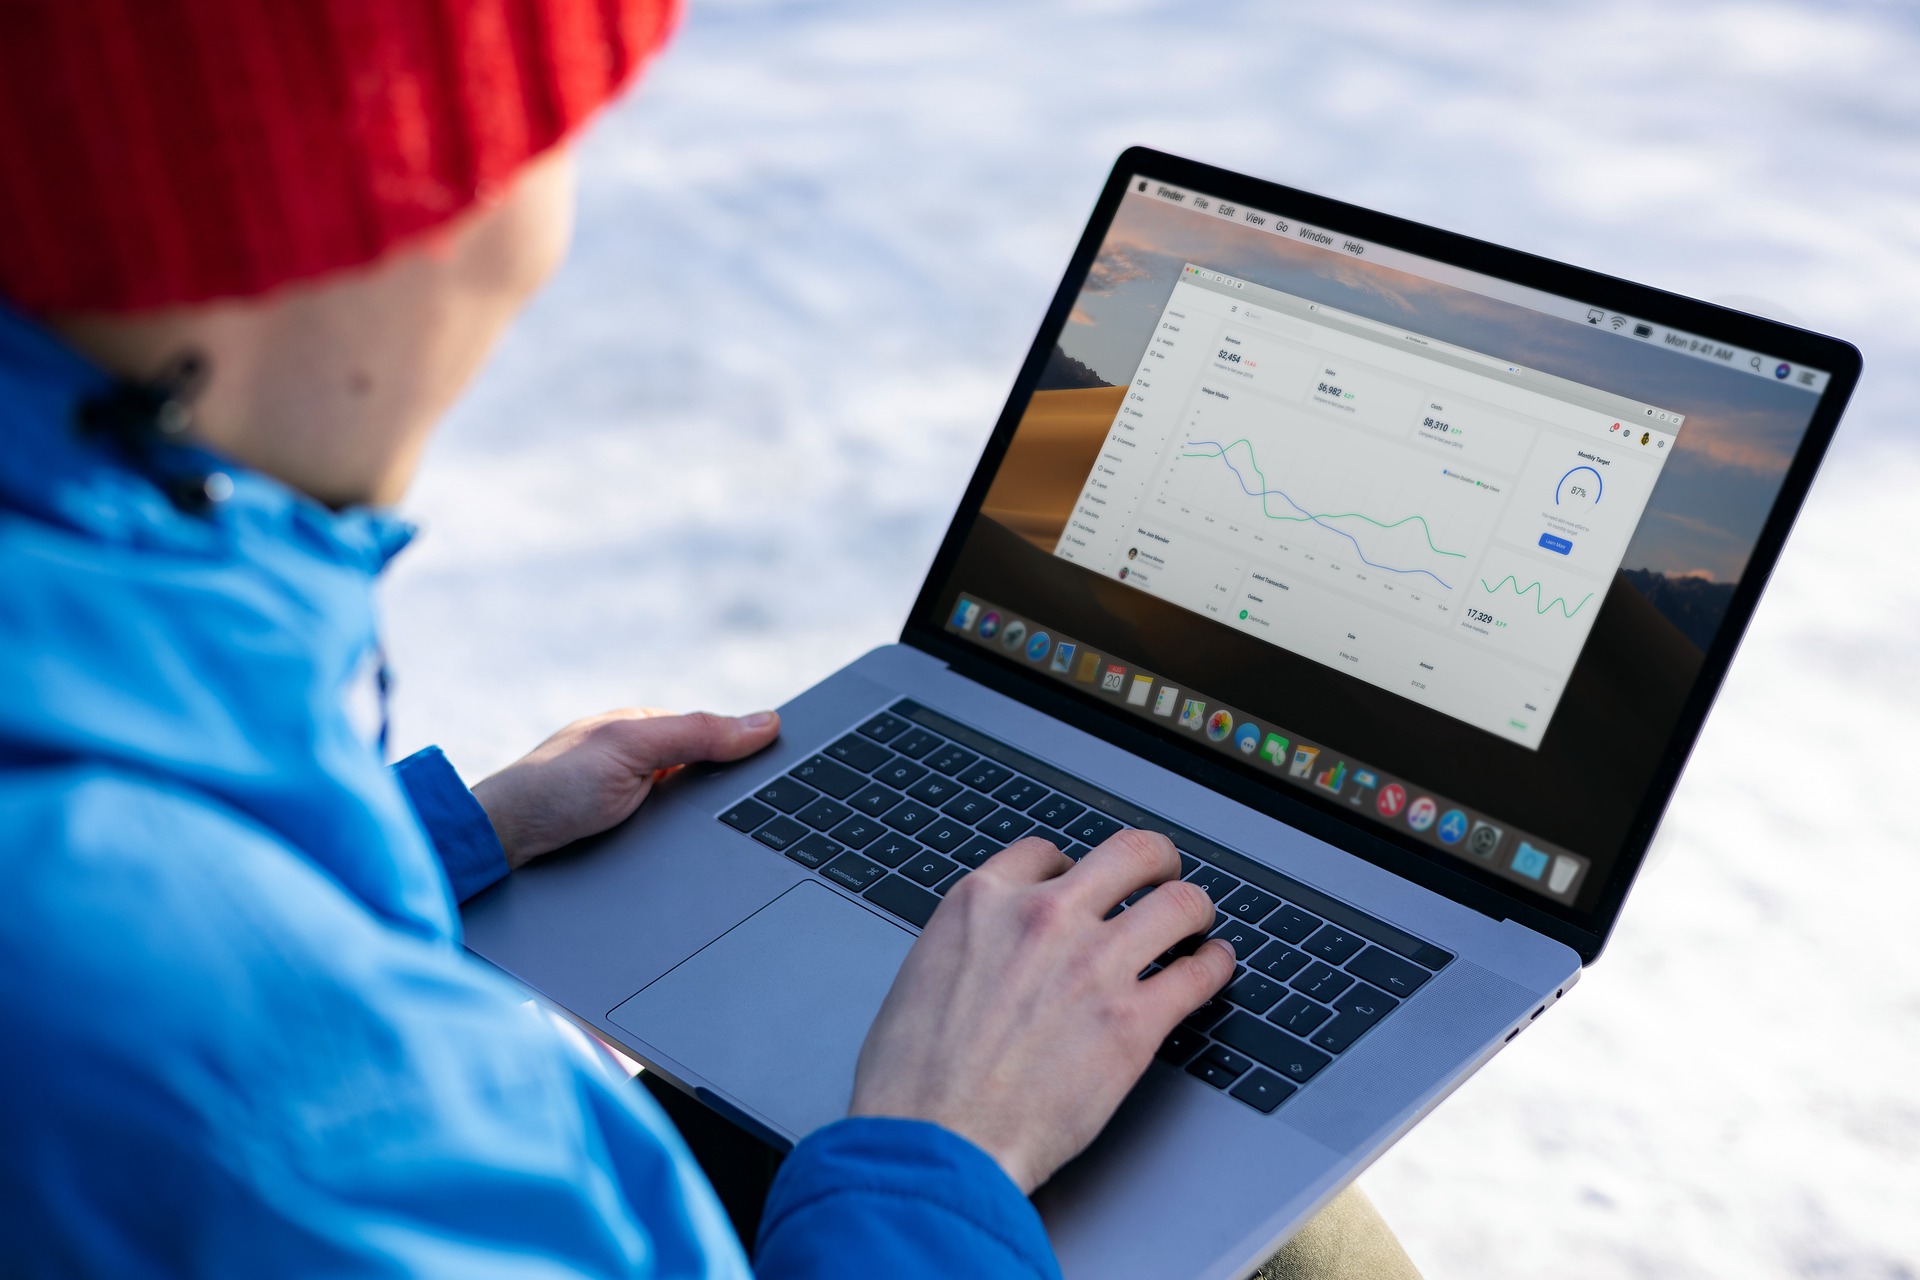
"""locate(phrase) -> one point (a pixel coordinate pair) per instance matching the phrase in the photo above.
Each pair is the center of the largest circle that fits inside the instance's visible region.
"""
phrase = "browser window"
(1432, 520)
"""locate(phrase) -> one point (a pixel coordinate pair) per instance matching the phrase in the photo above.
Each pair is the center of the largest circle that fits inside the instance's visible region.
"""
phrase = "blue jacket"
(241, 1037)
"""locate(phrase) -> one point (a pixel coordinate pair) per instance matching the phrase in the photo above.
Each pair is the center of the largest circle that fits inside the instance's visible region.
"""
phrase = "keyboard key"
(1052, 837)
(874, 799)
(815, 850)
(892, 849)
(1019, 793)
(1322, 982)
(824, 814)
(946, 834)
(1076, 850)
(1333, 944)
(857, 832)
(1207, 1014)
(935, 789)
(1278, 961)
(829, 776)
(1218, 1065)
(853, 871)
(928, 869)
(984, 775)
(952, 880)
(950, 759)
(1091, 828)
(1187, 863)
(1365, 1002)
(1055, 811)
(908, 901)
(1338, 1036)
(785, 794)
(1006, 826)
(1388, 972)
(884, 727)
(747, 815)
(1177, 1048)
(1217, 883)
(900, 772)
(1294, 1060)
(1262, 1091)
(1251, 991)
(976, 851)
(1299, 1015)
(780, 833)
(1185, 947)
(909, 816)
(1244, 938)
(969, 807)
(916, 743)
(1249, 904)
(859, 753)
(1291, 924)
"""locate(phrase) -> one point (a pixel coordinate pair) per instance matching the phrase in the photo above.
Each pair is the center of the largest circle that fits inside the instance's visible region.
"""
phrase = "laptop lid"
(1435, 549)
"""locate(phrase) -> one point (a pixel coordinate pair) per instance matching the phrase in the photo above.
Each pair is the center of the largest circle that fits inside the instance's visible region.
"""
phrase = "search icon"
(1755, 362)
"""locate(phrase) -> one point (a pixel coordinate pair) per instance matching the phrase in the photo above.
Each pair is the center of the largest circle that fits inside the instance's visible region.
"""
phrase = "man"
(252, 252)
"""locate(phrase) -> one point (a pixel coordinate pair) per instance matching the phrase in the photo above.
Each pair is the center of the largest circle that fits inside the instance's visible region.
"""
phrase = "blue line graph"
(1263, 494)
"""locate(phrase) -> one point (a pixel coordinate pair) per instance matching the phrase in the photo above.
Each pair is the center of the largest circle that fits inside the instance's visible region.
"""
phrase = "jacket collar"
(54, 470)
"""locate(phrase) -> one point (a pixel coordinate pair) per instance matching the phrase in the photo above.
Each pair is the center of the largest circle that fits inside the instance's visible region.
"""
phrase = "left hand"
(595, 772)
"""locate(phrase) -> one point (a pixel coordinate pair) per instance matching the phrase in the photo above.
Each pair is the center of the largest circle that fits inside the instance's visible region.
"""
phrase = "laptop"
(1389, 572)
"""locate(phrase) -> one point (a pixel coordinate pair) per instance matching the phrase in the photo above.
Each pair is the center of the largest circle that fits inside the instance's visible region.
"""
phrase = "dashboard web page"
(1426, 518)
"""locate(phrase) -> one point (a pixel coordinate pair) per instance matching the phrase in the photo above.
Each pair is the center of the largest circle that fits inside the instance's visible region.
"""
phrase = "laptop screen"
(1429, 546)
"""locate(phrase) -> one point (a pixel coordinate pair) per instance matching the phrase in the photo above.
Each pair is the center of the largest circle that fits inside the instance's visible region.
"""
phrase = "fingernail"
(1231, 953)
(759, 719)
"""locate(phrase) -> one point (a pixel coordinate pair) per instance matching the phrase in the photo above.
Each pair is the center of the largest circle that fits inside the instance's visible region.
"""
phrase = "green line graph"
(1541, 604)
(1307, 517)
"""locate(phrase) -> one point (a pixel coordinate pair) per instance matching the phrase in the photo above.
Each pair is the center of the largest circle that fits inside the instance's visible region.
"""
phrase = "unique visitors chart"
(1415, 514)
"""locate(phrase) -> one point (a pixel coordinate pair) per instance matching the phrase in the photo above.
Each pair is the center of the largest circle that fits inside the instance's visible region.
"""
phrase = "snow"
(712, 463)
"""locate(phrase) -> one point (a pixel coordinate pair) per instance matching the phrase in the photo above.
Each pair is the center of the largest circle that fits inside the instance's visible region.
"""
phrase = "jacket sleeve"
(880, 1197)
(229, 1068)
(455, 822)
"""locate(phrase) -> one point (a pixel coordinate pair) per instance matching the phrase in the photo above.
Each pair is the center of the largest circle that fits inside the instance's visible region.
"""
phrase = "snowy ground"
(711, 465)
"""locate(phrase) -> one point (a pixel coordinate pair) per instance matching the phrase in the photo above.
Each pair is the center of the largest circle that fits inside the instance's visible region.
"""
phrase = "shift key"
(1271, 1046)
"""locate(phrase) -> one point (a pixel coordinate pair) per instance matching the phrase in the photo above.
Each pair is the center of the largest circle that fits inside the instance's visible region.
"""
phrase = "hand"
(1018, 1020)
(595, 772)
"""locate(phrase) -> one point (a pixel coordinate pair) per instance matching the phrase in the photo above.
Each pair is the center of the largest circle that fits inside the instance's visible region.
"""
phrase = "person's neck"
(332, 385)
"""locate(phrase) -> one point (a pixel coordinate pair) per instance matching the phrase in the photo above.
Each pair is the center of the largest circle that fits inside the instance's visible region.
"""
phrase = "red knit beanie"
(174, 151)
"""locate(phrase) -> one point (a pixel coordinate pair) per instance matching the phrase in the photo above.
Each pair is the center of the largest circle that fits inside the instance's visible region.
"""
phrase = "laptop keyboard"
(907, 804)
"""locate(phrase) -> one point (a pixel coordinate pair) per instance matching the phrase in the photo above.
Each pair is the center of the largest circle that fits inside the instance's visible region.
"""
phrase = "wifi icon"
(1618, 323)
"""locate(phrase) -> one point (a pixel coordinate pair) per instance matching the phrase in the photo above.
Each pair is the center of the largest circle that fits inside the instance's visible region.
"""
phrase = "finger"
(1121, 865)
(1187, 983)
(1174, 911)
(659, 742)
(1029, 860)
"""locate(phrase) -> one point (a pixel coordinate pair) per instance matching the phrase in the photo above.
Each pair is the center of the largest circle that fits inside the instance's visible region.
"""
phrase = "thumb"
(660, 742)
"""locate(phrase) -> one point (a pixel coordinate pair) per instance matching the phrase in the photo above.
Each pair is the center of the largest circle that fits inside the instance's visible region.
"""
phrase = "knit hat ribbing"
(174, 151)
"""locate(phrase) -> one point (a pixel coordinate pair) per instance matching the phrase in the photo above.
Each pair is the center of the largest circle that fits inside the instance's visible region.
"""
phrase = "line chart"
(1220, 451)
(1541, 604)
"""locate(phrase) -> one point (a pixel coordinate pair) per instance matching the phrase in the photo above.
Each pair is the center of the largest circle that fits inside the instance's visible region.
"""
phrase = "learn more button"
(1551, 543)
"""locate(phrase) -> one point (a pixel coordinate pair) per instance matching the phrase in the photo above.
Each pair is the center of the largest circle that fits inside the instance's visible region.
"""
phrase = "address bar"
(1415, 339)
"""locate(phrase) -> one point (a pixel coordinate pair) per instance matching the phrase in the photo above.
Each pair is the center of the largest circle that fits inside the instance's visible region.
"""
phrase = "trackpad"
(773, 1012)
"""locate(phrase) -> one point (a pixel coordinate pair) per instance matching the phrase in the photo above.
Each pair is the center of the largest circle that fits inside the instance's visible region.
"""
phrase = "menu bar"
(1370, 793)
(1629, 328)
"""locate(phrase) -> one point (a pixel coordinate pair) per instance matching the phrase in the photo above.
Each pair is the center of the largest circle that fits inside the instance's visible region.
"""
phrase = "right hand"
(1019, 1020)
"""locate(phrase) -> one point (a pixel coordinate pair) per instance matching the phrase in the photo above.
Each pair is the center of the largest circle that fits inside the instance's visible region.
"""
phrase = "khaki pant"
(1347, 1240)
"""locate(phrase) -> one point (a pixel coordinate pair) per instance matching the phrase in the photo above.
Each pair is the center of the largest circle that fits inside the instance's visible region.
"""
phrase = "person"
(251, 253)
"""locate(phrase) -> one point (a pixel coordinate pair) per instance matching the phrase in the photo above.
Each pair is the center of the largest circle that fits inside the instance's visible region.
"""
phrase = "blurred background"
(712, 463)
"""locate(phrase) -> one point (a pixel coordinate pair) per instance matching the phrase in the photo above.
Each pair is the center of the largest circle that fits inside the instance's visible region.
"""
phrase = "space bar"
(905, 899)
